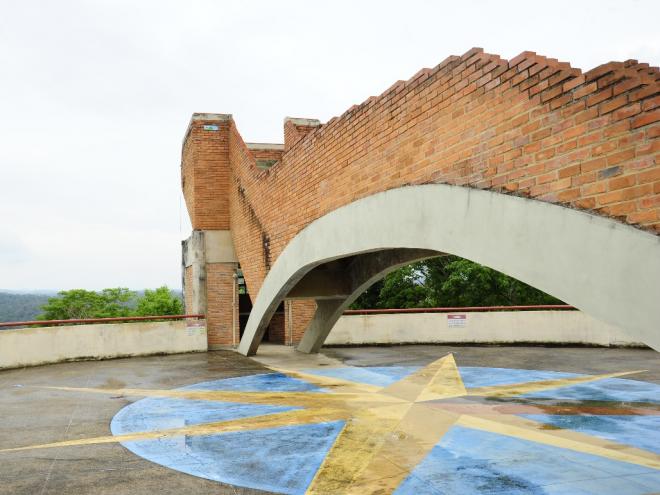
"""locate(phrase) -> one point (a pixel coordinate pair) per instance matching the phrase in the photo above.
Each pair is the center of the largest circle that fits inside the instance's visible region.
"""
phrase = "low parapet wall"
(501, 327)
(34, 346)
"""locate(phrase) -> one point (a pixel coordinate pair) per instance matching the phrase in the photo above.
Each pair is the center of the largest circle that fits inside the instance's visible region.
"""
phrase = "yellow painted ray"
(354, 447)
(274, 420)
(408, 444)
(293, 399)
(438, 380)
(529, 387)
(525, 429)
(333, 383)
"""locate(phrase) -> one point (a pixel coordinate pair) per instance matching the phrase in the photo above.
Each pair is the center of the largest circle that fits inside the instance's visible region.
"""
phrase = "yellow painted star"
(389, 430)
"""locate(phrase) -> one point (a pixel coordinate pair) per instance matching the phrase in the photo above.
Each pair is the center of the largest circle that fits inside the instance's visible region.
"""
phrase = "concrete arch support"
(363, 271)
(608, 270)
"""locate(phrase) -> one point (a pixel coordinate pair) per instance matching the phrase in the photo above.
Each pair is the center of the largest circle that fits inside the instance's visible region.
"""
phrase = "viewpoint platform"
(403, 419)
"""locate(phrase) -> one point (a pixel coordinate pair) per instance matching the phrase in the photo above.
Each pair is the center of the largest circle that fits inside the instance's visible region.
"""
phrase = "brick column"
(221, 305)
(209, 260)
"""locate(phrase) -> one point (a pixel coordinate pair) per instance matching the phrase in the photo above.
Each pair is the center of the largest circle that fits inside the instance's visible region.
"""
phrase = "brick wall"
(296, 129)
(276, 333)
(261, 152)
(531, 126)
(221, 312)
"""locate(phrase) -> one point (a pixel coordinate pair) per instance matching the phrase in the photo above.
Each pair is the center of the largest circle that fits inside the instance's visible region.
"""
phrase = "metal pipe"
(99, 320)
(467, 309)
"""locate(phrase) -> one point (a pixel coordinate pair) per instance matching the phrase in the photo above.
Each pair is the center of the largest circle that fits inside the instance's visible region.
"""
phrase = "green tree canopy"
(81, 303)
(110, 303)
(159, 301)
(449, 281)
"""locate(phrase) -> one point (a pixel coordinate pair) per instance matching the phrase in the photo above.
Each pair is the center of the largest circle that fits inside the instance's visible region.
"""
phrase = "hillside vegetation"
(81, 303)
(21, 307)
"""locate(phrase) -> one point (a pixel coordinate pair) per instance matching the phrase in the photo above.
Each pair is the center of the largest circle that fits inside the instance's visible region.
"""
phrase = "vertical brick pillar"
(221, 305)
(209, 260)
(297, 315)
(205, 171)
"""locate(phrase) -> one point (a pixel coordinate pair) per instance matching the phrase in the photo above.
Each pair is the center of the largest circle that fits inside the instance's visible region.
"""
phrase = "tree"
(110, 303)
(449, 281)
(472, 284)
(80, 304)
(370, 298)
(405, 288)
(160, 301)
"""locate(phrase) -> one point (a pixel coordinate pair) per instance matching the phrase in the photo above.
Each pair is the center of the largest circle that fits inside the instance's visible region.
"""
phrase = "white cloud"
(95, 97)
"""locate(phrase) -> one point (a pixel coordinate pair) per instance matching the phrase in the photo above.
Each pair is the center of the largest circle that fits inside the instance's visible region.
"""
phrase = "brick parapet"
(531, 126)
(205, 171)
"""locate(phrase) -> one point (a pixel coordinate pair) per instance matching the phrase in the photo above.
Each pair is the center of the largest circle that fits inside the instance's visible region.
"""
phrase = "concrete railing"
(34, 346)
(469, 327)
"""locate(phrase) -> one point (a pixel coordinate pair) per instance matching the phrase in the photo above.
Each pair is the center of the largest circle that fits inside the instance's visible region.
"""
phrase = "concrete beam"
(609, 270)
(219, 247)
(363, 271)
(322, 284)
(265, 146)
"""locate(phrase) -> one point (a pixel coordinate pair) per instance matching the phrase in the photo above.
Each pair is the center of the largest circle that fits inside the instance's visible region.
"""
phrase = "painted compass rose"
(362, 430)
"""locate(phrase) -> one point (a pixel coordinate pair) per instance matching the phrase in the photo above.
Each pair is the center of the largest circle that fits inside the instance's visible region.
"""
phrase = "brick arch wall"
(530, 126)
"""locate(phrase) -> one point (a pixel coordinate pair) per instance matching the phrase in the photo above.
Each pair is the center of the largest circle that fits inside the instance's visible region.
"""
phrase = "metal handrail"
(457, 309)
(467, 309)
(98, 320)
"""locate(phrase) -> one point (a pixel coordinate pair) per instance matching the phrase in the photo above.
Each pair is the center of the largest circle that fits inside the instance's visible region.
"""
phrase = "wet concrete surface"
(35, 415)
(588, 360)
(32, 415)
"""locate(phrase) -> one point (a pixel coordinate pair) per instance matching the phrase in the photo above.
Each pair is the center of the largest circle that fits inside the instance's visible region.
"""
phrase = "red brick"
(644, 216)
(611, 105)
(569, 171)
(646, 119)
(622, 182)
(627, 111)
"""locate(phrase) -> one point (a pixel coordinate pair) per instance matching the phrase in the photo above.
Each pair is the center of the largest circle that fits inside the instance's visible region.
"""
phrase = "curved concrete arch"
(365, 270)
(608, 270)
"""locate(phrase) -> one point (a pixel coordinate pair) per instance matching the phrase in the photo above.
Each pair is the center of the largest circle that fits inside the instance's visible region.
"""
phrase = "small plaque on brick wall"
(454, 321)
(211, 127)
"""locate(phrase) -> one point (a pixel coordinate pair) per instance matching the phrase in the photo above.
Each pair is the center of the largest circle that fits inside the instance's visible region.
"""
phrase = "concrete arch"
(608, 270)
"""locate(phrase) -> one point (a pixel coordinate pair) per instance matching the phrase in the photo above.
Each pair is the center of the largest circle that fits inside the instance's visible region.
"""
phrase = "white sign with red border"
(457, 320)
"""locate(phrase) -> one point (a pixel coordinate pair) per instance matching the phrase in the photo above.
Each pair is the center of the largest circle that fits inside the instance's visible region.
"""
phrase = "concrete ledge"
(265, 146)
(221, 117)
(196, 117)
(35, 346)
(301, 121)
(501, 327)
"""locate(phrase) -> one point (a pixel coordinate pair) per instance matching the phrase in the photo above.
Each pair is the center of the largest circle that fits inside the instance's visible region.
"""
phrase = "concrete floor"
(34, 415)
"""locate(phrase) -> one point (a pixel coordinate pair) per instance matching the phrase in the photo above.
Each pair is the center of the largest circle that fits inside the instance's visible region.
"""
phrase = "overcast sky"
(95, 97)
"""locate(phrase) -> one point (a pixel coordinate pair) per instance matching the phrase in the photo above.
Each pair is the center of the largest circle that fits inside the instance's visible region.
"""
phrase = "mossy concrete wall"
(34, 346)
(500, 327)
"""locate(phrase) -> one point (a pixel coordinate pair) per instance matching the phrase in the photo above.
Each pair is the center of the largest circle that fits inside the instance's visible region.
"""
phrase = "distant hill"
(22, 305)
